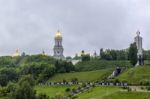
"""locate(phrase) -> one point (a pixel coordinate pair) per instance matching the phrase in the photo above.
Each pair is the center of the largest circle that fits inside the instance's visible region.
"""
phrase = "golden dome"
(58, 34)
(16, 53)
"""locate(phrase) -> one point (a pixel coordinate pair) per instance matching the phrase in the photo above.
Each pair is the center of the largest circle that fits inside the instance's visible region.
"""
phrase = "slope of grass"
(100, 64)
(110, 92)
(82, 76)
(98, 92)
(52, 91)
(128, 95)
(136, 74)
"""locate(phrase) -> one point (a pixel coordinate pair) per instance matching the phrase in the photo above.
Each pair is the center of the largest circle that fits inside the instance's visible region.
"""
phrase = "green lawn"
(52, 90)
(128, 95)
(98, 92)
(82, 76)
(107, 92)
(136, 74)
(101, 64)
(3, 98)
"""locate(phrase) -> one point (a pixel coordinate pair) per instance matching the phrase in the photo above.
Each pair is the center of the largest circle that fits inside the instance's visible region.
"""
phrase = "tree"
(24, 89)
(86, 57)
(40, 71)
(102, 53)
(147, 55)
(63, 66)
(6, 75)
(113, 54)
(133, 54)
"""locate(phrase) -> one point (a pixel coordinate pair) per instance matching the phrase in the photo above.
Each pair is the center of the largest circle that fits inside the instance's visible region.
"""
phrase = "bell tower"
(58, 48)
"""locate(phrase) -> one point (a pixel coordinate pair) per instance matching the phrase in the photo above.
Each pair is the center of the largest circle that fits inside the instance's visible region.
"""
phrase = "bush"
(145, 82)
(68, 90)
(83, 85)
(116, 81)
(3, 91)
(124, 87)
(129, 89)
(86, 57)
(74, 79)
(42, 96)
(148, 88)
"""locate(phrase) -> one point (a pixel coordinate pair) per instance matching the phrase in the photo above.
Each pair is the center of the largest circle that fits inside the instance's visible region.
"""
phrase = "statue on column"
(138, 40)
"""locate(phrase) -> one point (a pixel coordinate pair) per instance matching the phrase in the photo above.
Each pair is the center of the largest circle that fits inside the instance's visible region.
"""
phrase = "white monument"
(138, 40)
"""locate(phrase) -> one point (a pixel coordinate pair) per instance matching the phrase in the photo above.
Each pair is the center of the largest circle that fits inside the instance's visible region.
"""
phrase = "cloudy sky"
(89, 25)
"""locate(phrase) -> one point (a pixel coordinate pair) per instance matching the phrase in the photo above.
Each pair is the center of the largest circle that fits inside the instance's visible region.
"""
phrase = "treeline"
(41, 67)
(111, 54)
(147, 54)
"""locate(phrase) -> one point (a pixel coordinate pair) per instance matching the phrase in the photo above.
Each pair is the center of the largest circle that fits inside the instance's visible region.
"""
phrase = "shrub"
(148, 88)
(145, 82)
(68, 90)
(42, 96)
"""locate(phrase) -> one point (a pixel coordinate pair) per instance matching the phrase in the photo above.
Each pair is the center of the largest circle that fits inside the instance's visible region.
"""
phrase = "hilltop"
(136, 75)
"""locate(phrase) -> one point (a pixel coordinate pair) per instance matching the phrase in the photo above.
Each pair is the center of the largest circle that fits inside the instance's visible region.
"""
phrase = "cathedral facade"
(58, 48)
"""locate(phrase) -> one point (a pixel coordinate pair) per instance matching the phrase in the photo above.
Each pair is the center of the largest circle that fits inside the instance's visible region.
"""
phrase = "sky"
(30, 25)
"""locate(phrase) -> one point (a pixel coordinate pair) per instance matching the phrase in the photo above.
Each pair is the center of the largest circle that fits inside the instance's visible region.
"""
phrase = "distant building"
(138, 40)
(58, 48)
(75, 61)
(17, 53)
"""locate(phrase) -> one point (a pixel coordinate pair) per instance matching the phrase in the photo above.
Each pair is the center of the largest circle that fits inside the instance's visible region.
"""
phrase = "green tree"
(133, 54)
(113, 54)
(40, 71)
(6, 75)
(86, 57)
(24, 89)
(147, 54)
(63, 66)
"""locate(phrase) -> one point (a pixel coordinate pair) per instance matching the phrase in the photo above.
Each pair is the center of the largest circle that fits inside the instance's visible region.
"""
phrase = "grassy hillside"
(107, 92)
(98, 92)
(100, 64)
(128, 95)
(136, 74)
(82, 76)
(52, 91)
